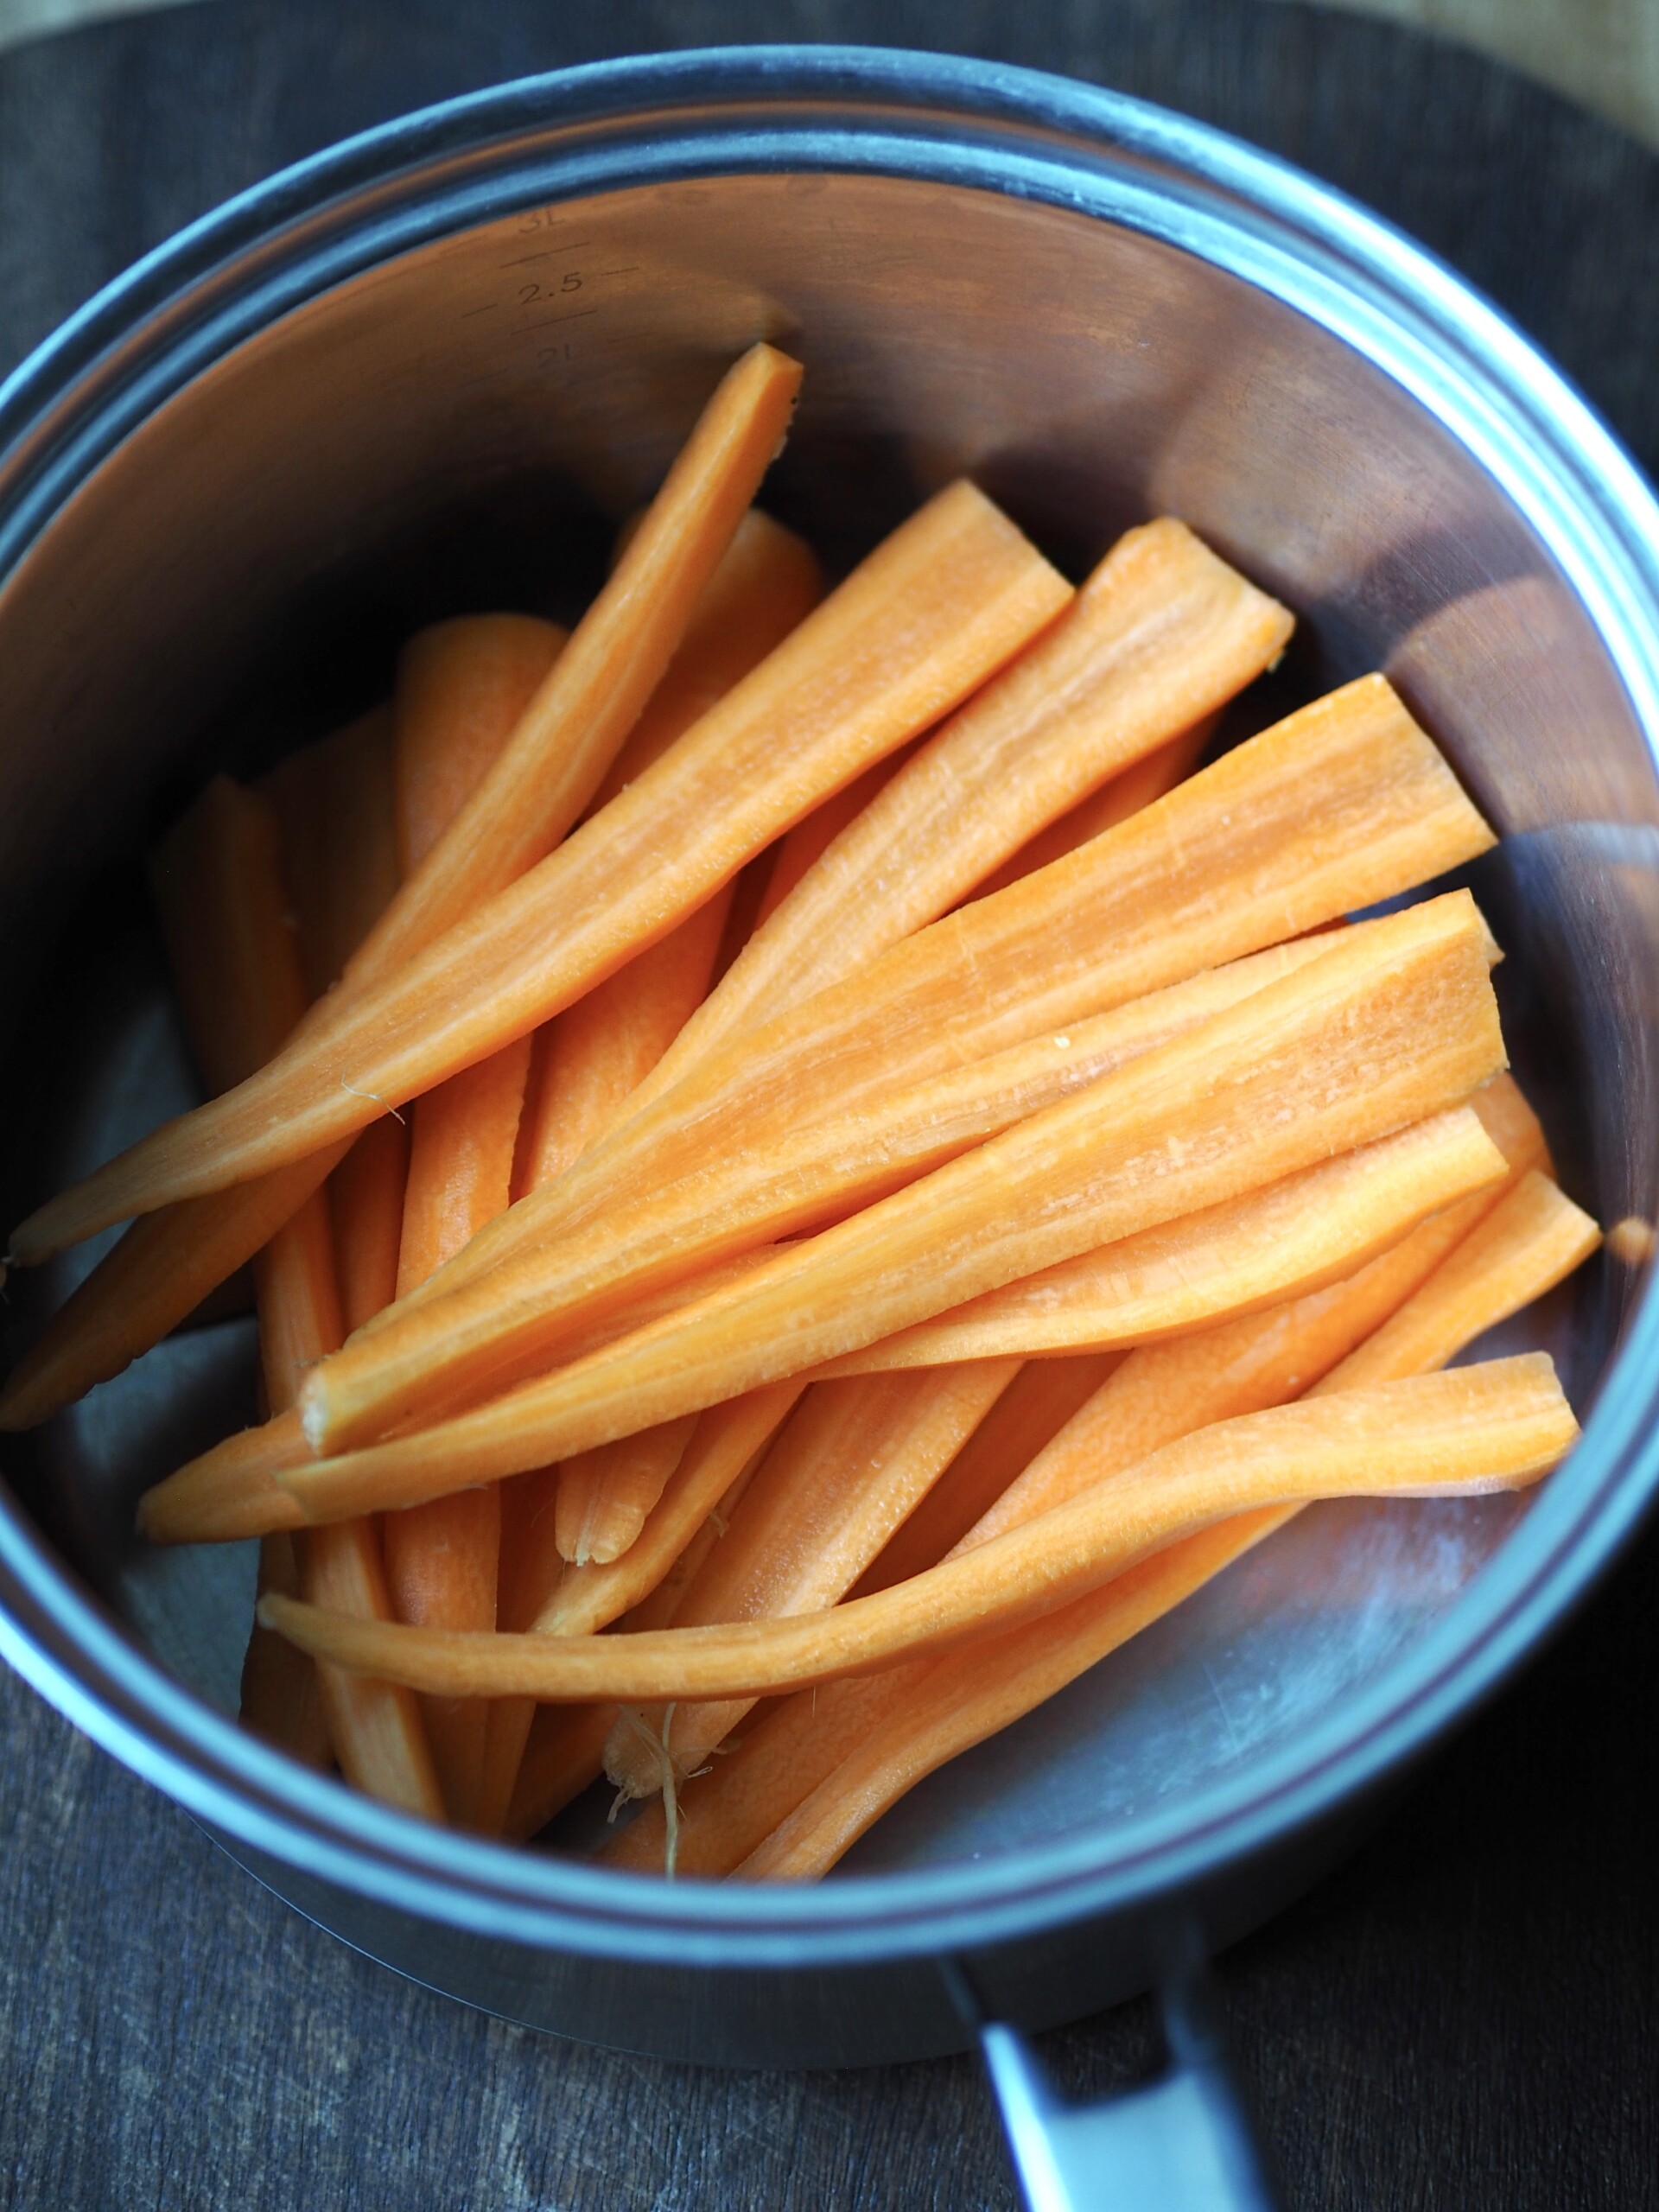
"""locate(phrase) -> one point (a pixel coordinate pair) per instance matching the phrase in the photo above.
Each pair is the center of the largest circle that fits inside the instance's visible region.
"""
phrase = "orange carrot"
(366, 1194)
(714, 1469)
(1161, 634)
(1149, 1399)
(463, 686)
(333, 801)
(948, 598)
(880, 1745)
(1341, 805)
(605, 1495)
(1388, 1025)
(282, 1695)
(224, 904)
(1313, 1228)
(851, 1462)
(331, 797)
(1129, 790)
(1475, 1429)
(766, 581)
(1035, 1406)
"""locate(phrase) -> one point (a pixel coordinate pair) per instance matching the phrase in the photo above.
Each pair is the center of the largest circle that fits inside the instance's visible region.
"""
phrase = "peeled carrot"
(1388, 1025)
(1161, 634)
(333, 803)
(728, 1442)
(766, 581)
(563, 747)
(605, 1495)
(945, 602)
(334, 807)
(1342, 804)
(879, 1746)
(1475, 1429)
(216, 881)
(1035, 1406)
(224, 903)
(366, 1192)
(1127, 792)
(1532, 1239)
(463, 687)
(1313, 1228)
(851, 1462)
(1149, 1399)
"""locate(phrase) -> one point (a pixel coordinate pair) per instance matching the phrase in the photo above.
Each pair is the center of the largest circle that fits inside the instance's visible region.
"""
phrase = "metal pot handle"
(1181, 2144)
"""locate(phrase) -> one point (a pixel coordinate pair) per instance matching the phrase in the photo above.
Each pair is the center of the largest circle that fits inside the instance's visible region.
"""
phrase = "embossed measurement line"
(576, 316)
(548, 253)
(485, 309)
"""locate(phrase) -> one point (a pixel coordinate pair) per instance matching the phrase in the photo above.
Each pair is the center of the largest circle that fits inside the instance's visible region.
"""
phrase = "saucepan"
(422, 371)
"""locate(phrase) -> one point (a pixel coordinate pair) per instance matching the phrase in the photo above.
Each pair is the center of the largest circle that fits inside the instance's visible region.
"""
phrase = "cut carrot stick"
(1342, 804)
(605, 1495)
(1149, 1399)
(1388, 1025)
(216, 881)
(1129, 791)
(1532, 1239)
(563, 1753)
(224, 904)
(1031, 1412)
(1161, 635)
(853, 1460)
(576, 723)
(1475, 1429)
(780, 1177)
(869, 1753)
(766, 581)
(333, 801)
(1256, 1250)
(591, 1056)
(231, 1492)
(808, 841)
(463, 686)
(338, 793)
(366, 1194)
(937, 609)
(724, 1450)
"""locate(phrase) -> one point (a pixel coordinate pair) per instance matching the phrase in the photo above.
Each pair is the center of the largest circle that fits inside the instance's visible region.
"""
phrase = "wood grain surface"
(1468, 2015)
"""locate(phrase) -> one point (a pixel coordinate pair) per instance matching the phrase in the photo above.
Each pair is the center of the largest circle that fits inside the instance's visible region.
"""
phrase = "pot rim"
(937, 120)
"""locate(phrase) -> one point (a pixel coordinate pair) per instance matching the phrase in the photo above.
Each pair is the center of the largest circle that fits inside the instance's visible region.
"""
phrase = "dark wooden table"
(1468, 2015)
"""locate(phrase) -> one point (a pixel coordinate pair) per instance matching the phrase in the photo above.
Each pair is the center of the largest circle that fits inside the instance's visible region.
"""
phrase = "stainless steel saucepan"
(415, 372)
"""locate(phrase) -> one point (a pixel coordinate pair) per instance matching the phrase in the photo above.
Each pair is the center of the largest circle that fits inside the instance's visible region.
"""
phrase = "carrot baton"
(727, 1443)
(1256, 1250)
(1161, 635)
(333, 801)
(605, 1495)
(1389, 1024)
(1472, 1430)
(1149, 1399)
(1342, 804)
(1129, 790)
(878, 1748)
(852, 1461)
(224, 904)
(945, 602)
(217, 887)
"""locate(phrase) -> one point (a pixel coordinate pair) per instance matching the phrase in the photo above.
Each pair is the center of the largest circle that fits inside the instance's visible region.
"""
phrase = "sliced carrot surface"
(941, 603)
(1342, 804)
(1473, 1429)
(1387, 1027)
(1161, 635)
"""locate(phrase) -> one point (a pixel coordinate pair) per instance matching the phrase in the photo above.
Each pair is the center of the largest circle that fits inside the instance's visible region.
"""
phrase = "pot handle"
(1181, 2144)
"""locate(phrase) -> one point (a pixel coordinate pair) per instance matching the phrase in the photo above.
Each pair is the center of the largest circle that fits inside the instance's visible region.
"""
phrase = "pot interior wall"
(460, 427)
